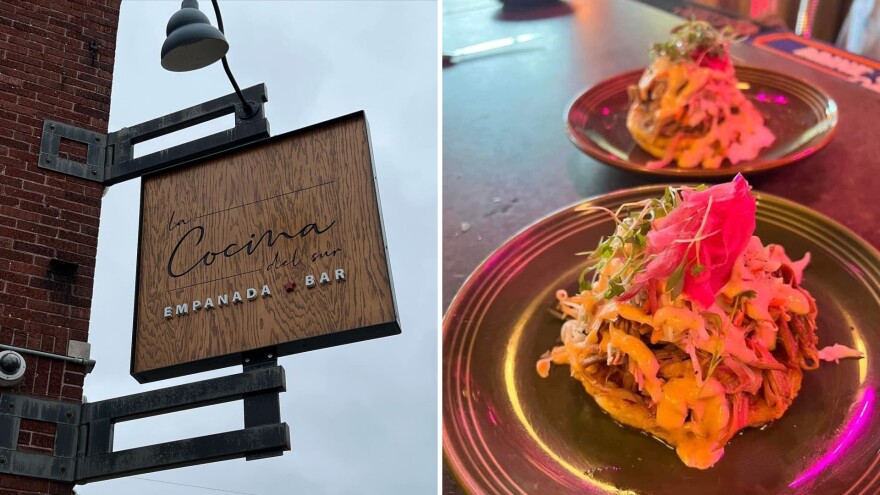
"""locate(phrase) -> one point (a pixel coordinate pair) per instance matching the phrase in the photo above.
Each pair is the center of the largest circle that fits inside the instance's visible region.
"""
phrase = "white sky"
(363, 417)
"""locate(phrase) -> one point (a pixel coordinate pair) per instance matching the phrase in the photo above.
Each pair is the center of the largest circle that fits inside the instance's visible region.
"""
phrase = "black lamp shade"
(192, 41)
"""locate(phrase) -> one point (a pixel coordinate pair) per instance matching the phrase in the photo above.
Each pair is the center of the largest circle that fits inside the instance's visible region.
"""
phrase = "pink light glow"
(761, 8)
(851, 431)
(606, 110)
(761, 97)
(855, 269)
(782, 100)
(807, 152)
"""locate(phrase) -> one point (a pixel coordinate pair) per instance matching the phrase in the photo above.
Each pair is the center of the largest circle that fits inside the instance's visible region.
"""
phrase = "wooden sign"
(277, 246)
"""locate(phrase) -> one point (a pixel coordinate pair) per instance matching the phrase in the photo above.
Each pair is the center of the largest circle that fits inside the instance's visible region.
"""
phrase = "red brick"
(88, 230)
(8, 299)
(32, 485)
(48, 71)
(14, 277)
(62, 182)
(20, 340)
(27, 247)
(13, 255)
(79, 218)
(38, 426)
(44, 189)
(7, 221)
(27, 268)
(69, 300)
(45, 330)
(23, 174)
(79, 313)
(9, 324)
(15, 234)
(76, 237)
(48, 307)
(37, 228)
(12, 182)
(43, 441)
(57, 243)
(76, 379)
(42, 379)
(71, 392)
(48, 343)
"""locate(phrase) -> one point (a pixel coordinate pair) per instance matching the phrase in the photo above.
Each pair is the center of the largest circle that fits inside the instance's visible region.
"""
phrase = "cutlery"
(488, 48)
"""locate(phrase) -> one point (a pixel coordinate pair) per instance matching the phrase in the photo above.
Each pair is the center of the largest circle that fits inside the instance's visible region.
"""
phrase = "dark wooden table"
(507, 161)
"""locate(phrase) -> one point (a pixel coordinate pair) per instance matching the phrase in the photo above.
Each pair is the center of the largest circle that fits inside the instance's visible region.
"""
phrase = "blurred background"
(853, 25)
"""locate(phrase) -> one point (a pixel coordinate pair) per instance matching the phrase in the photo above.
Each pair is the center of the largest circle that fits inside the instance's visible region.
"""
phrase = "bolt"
(63, 469)
(97, 139)
(12, 404)
(247, 360)
(68, 414)
(2, 459)
(94, 171)
(48, 159)
(51, 126)
(270, 356)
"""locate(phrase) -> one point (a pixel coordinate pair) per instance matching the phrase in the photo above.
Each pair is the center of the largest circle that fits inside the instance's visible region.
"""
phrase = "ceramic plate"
(802, 117)
(508, 431)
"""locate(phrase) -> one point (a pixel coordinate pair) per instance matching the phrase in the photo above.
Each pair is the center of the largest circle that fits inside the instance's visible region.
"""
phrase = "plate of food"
(668, 340)
(693, 113)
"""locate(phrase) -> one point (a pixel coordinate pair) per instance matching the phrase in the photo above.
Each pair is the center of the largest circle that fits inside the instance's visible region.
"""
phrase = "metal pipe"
(88, 363)
(245, 106)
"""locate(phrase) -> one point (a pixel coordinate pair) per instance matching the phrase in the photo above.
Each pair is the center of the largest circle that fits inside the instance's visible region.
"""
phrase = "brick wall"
(56, 61)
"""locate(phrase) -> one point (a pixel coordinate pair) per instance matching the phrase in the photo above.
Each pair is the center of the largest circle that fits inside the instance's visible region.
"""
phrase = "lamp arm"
(245, 106)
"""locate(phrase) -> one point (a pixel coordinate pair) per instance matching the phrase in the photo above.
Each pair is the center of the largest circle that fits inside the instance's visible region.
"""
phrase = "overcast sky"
(363, 417)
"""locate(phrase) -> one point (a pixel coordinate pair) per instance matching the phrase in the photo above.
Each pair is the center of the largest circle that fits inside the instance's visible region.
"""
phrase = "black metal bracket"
(83, 450)
(61, 465)
(50, 144)
(264, 408)
(110, 158)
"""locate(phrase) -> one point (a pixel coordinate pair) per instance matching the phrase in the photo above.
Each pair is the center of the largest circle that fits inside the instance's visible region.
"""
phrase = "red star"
(289, 286)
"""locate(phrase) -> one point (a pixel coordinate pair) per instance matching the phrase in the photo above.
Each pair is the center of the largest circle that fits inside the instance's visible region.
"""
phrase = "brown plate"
(802, 117)
(508, 431)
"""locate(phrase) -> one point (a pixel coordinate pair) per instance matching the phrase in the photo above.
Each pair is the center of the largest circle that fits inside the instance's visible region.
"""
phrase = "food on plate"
(686, 325)
(688, 108)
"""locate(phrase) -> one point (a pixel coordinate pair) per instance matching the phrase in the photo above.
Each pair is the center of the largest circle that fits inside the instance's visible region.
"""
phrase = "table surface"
(507, 161)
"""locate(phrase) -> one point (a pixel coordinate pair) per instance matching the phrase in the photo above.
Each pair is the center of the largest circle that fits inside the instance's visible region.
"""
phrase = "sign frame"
(331, 339)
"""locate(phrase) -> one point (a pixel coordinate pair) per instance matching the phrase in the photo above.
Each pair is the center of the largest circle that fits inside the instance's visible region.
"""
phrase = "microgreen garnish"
(714, 320)
(715, 361)
(740, 300)
(695, 38)
(675, 282)
(627, 244)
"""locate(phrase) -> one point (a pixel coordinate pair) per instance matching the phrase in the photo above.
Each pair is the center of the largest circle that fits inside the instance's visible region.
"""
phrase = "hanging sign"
(277, 246)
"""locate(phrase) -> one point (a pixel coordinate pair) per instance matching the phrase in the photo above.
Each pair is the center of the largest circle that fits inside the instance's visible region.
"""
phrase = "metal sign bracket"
(83, 448)
(110, 158)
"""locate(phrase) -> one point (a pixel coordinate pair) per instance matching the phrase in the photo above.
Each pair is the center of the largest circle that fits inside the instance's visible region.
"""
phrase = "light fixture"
(193, 43)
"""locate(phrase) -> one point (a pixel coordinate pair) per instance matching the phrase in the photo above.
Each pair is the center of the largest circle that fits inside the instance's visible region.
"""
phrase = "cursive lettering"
(172, 224)
(277, 262)
(325, 254)
(193, 237)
